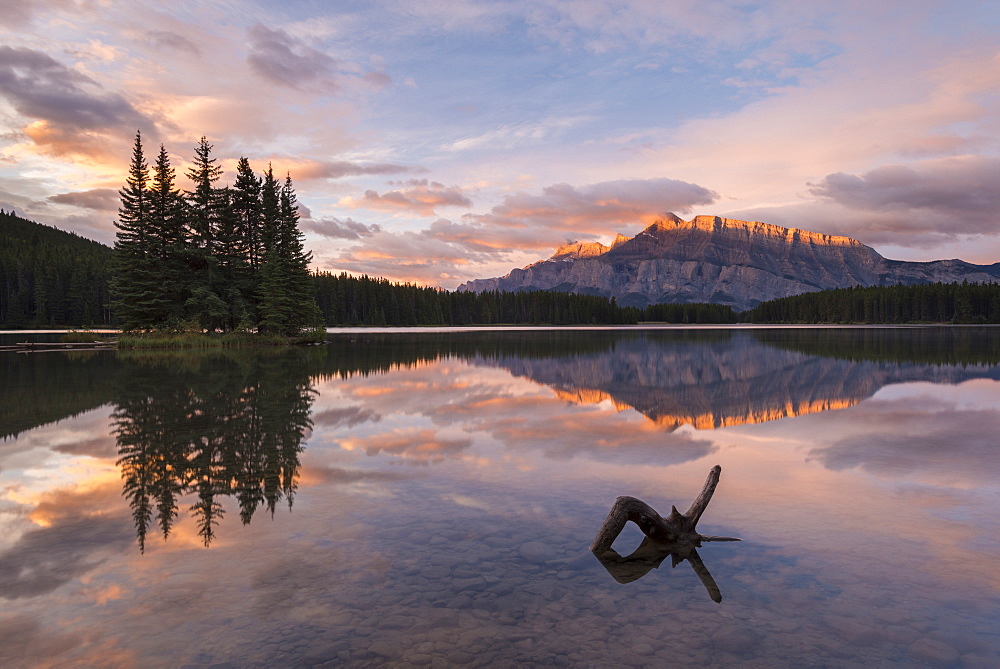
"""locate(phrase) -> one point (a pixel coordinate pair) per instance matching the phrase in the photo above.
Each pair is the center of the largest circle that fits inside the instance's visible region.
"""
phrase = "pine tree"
(233, 276)
(203, 200)
(169, 239)
(246, 205)
(137, 301)
(287, 296)
(270, 212)
(204, 306)
(246, 208)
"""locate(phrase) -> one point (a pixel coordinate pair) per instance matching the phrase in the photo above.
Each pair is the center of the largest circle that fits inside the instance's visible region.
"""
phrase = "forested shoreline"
(50, 278)
(959, 303)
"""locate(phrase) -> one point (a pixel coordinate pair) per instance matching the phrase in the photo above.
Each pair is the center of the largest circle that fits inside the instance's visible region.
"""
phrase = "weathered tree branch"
(674, 535)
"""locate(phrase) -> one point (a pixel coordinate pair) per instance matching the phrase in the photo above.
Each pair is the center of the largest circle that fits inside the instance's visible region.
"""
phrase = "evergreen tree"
(246, 208)
(246, 205)
(204, 306)
(270, 212)
(233, 272)
(169, 239)
(287, 296)
(203, 200)
(137, 301)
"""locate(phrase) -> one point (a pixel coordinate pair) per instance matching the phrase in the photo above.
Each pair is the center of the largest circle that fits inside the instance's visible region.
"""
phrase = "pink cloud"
(336, 228)
(420, 447)
(597, 208)
(336, 169)
(417, 196)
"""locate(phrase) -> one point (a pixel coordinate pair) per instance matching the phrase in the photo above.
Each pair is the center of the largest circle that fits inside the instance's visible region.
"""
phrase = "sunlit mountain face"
(723, 261)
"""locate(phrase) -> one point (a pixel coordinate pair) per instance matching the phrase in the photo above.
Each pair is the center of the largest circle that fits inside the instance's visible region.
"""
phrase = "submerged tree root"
(676, 535)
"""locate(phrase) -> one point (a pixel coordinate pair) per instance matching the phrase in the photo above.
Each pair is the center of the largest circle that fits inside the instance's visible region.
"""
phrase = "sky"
(446, 140)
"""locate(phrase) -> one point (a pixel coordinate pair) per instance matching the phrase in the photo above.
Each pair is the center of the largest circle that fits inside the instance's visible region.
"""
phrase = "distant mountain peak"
(580, 250)
(719, 225)
(722, 261)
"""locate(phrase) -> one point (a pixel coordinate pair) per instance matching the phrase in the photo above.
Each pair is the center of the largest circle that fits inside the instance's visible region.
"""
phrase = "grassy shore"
(85, 337)
(162, 340)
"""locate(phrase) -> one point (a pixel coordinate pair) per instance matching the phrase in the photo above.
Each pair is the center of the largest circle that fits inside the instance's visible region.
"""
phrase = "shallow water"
(429, 499)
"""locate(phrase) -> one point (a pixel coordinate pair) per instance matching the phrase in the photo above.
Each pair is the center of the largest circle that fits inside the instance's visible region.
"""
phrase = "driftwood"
(48, 346)
(676, 536)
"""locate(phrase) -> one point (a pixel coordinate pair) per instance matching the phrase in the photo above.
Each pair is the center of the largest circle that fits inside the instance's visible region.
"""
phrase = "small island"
(213, 265)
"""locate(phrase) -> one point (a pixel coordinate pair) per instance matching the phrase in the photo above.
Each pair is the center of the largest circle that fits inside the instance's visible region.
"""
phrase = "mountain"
(723, 261)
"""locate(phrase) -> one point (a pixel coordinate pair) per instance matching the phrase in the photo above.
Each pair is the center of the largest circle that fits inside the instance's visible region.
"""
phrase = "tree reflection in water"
(211, 425)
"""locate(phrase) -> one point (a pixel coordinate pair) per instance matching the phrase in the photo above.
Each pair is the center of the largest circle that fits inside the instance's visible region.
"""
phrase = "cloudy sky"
(443, 140)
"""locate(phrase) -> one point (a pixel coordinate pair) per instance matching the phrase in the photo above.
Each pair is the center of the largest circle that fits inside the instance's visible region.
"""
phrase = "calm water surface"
(429, 499)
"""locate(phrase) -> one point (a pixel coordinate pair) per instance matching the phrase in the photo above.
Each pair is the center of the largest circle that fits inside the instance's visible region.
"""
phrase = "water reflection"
(443, 507)
(727, 378)
(40, 388)
(706, 378)
(212, 426)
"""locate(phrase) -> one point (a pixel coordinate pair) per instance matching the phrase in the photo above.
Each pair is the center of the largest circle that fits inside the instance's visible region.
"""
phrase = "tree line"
(968, 303)
(211, 258)
(49, 277)
(232, 258)
(350, 300)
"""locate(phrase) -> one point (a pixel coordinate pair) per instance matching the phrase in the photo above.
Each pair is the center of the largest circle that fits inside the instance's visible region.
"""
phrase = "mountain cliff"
(723, 261)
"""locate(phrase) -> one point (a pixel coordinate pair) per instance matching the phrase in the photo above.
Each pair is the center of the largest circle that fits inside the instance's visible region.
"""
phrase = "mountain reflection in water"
(736, 380)
(723, 378)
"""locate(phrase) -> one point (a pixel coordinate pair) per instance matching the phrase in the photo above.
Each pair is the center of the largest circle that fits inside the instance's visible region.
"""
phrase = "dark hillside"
(49, 277)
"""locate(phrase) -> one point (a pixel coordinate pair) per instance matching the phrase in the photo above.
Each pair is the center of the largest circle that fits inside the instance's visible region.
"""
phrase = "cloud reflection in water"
(851, 555)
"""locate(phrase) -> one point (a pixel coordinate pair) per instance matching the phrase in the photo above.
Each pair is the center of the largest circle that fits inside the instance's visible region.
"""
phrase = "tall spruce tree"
(233, 272)
(246, 206)
(136, 298)
(204, 306)
(169, 245)
(287, 295)
(246, 209)
(203, 200)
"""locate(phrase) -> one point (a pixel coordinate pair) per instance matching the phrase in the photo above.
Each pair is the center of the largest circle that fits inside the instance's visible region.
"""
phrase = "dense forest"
(964, 302)
(347, 300)
(211, 258)
(51, 278)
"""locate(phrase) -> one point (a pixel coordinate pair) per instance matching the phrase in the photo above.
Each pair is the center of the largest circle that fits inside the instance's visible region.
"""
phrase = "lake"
(428, 498)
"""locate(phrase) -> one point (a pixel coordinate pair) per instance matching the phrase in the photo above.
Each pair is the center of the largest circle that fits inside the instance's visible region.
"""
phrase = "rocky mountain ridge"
(723, 261)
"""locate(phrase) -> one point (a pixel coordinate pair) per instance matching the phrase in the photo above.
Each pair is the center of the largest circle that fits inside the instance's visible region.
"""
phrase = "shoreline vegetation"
(192, 340)
(161, 340)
